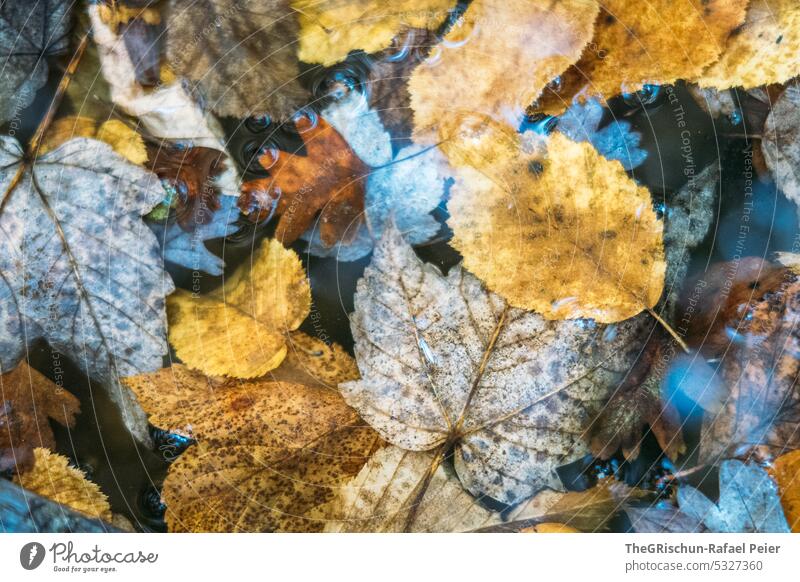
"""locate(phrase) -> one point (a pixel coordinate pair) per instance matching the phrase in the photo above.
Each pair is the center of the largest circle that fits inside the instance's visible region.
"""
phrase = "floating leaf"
(270, 455)
(574, 237)
(786, 472)
(240, 330)
(748, 502)
(331, 29)
(29, 33)
(28, 400)
(762, 51)
(471, 73)
(52, 477)
(446, 363)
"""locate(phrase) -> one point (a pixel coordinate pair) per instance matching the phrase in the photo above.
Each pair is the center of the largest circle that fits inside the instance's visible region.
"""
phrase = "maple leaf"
(573, 237)
(786, 472)
(52, 477)
(27, 400)
(445, 363)
(28, 35)
(492, 38)
(82, 271)
(750, 328)
(248, 47)
(760, 52)
(636, 44)
(331, 29)
(241, 329)
(269, 454)
(780, 141)
(748, 502)
(327, 180)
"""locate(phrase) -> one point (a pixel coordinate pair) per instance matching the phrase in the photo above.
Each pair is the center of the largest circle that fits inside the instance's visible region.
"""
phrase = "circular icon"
(31, 555)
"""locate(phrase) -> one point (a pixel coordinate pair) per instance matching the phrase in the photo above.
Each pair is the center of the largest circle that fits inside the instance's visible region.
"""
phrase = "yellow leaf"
(550, 528)
(64, 129)
(241, 329)
(763, 51)
(330, 29)
(119, 14)
(270, 455)
(125, 141)
(570, 238)
(656, 42)
(786, 471)
(53, 478)
(497, 59)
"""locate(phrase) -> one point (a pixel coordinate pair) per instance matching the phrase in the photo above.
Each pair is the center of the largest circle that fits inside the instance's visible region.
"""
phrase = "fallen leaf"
(328, 180)
(445, 363)
(748, 325)
(573, 237)
(662, 518)
(124, 140)
(28, 400)
(331, 29)
(269, 456)
(762, 51)
(470, 74)
(550, 528)
(82, 271)
(240, 330)
(656, 43)
(140, 27)
(52, 477)
(780, 141)
(748, 502)
(786, 472)
(66, 128)
(29, 34)
(245, 63)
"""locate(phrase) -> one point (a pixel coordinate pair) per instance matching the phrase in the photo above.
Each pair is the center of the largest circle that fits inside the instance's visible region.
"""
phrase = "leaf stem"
(675, 335)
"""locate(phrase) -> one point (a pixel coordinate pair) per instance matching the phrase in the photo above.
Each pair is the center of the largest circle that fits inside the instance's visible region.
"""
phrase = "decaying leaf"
(748, 502)
(140, 27)
(52, 477)
(331, 29)
(123, 139)
(29, 34)
(573, 237)
(472, 74)
(749, 322)
(240, 330)
(786, 472)
(781, 141)
(445, 363)
(269, 455)
(328, 180)
(550, 528)
(28, 400)
(245, 62)
(637, 43)
(662, 518)
(762, 51)
(82, 270)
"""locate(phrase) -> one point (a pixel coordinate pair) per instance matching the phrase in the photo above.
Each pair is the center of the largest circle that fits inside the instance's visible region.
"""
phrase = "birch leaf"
(331, 29)
(446, 363)
(470, 75)
(761, 52)
(245, 64)
(579, 239)
(270, 455)
(82, 270)
(52, 477)
(748, 502)
(29, 34)
(240, 330)
(28, 400)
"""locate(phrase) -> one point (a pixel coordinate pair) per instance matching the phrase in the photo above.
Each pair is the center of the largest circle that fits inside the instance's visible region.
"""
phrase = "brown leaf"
(328, 179)
(786, 472)
(780, 143)
(269, 455)
(27, 401)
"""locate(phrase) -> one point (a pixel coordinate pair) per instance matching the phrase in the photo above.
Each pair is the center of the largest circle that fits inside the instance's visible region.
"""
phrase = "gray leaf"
(444, 362)
(781, 143)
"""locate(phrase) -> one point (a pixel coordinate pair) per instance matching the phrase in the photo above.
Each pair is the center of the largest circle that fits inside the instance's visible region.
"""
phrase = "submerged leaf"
(572, 238)
(52, 477)
(781, 141)
(269, 455)
(240, 329)
(445, 362)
